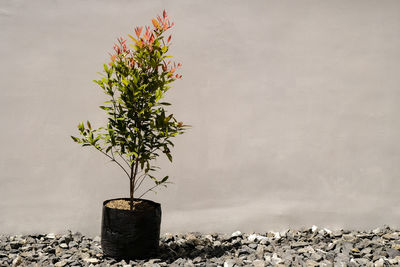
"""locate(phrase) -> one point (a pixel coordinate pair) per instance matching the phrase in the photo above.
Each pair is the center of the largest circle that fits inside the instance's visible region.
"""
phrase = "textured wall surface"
(294, 105)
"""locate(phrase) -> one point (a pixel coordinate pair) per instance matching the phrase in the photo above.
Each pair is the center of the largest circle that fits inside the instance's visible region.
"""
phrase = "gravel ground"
(307, 247)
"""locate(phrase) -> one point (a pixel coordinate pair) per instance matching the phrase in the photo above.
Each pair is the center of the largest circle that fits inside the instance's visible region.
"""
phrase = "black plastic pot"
(132, 234)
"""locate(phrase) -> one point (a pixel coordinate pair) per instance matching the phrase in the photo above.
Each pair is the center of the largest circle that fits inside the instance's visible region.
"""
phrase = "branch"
(151, 189)
(122, 158)
(143, 176)
(112, 159)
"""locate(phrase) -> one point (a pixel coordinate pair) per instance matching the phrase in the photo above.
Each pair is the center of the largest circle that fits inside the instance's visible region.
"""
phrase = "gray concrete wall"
(294, 105)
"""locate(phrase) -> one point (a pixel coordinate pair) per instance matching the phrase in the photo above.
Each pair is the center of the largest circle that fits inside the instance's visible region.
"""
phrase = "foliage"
(138, 127)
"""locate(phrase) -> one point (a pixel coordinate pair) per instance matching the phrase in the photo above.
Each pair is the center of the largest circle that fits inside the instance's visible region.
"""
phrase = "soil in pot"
(123, 204)
(130, 234)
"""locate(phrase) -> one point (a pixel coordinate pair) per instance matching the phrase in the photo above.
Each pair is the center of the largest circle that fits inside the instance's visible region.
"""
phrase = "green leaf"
(169, 156)
(75, 139)
(81, 127)
(168, 118)
(158, 94)
(132, 153)
(106, 68)
(134, 79)
(105, 108)
(164, 179)
(164, 103)
(88, 125)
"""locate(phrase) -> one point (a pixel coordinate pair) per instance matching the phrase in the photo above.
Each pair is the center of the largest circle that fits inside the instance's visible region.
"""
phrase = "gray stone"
(258, 263)
(77, 237)
(379, 263)
(394, 261)
(253, 245)
(72, 244)
(63, 245)
(251, 257)
(316, 257)
(260, 252)
(209, 238)
(17, 261)
(311, 263)
(61, 263)
(298, 244)
(275, 259)
(392, 253)
(325, 263)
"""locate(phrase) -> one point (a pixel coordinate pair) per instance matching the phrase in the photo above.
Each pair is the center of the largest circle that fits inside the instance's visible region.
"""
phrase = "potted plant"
(138, 130)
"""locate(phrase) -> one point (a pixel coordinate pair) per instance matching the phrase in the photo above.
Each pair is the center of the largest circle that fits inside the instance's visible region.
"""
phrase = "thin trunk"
(131, 195)
(132, 187)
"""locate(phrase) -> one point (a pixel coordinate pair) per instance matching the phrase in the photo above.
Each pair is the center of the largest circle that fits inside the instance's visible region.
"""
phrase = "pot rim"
(156, 205)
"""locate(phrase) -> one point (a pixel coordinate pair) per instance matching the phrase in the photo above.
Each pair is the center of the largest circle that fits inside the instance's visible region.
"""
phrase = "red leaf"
(151, 38)
(155, 23)
(138, 30)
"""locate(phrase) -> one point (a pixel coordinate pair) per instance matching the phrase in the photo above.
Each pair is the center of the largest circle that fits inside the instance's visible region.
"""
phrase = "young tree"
(138, 127)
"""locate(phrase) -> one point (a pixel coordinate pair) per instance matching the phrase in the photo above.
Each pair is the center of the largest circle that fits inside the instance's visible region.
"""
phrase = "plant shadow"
(191, 249)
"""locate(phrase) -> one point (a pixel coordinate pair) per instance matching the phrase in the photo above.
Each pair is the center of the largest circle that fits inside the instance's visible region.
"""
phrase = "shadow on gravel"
(188, 250)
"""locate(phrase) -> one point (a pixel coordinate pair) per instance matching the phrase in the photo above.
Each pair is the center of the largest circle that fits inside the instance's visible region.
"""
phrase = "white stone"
(237, 233)
(376, 230)
(209, 237)
(267, 259)
(284, 233)
(394, 260)
(17, 261)
(314, 228)
(217, 243)
(275, 259)
(263, 239)
(51, 236)
(258, 263)
(92, 260)
(277, 235)
(327, 231)
(229, 263)
(61, 263)
(252, 238)
(97, 239)
(379, 263)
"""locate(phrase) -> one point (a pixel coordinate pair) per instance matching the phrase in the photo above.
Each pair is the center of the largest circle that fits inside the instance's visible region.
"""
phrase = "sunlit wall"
(294, 107)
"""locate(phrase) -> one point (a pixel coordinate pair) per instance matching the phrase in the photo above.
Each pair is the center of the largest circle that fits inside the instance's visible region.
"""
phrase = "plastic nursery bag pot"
(127, 234)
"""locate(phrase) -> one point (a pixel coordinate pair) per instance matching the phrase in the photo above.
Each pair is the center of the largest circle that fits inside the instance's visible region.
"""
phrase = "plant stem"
(141, 181)
(149, 190)
(112, 159)
(132, 186)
